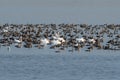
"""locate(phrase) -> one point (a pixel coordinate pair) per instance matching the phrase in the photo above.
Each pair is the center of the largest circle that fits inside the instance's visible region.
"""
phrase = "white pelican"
(55, 42)
(57, 37)
(5, 30)
(61, 39)
(44, 41)
(18, 40)
(91, 41)
(80, 40)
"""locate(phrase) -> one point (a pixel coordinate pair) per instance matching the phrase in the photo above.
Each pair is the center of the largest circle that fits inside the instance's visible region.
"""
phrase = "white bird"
(61, 39)
(44, 41)
(80, 40)
(5, 30)
(91, 41)
(55, 42)
(57, 37)
(18, 40)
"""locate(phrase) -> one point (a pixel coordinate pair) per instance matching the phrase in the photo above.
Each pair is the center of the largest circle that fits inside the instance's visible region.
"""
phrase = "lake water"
(45, 64)
(60, 11)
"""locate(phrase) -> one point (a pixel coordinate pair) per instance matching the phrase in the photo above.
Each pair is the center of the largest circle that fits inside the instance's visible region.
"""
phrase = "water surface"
(45, 64)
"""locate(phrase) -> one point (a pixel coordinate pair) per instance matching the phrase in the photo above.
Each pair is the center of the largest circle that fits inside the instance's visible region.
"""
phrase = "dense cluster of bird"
(61, 36)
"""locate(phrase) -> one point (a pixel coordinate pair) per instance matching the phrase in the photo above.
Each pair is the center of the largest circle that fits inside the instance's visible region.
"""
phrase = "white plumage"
(92, 41)
(55, 42)
(44, 41)
(80, 40)
(18, 40)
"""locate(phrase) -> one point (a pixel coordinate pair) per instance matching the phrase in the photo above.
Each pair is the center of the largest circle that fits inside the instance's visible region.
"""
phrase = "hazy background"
(60, 11)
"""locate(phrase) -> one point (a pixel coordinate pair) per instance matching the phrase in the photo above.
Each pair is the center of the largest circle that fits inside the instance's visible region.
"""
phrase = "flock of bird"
(61, 36)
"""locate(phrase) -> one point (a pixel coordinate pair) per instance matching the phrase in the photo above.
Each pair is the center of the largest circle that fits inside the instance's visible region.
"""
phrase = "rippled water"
(45, 64)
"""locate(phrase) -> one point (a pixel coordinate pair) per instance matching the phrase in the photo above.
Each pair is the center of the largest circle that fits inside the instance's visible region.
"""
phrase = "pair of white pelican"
(57, 40)
(84, 40)
(80, 40)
